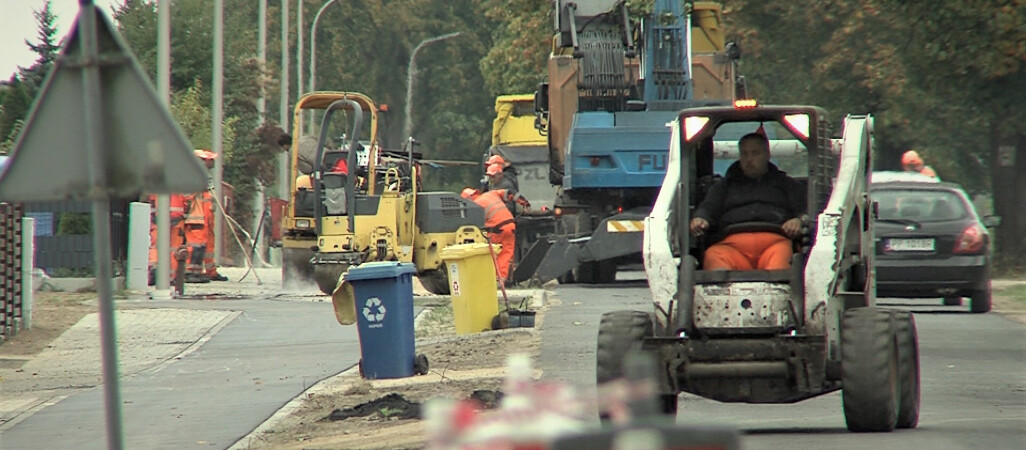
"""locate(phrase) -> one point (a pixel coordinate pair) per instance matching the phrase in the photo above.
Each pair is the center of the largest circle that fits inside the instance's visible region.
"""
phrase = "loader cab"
(708, 143)
(799, 146)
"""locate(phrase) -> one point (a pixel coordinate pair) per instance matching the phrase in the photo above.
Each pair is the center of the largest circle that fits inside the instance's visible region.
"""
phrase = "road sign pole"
(94, 144)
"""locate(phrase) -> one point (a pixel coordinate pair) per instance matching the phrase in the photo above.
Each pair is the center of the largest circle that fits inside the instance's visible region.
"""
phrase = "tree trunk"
(1009, 186)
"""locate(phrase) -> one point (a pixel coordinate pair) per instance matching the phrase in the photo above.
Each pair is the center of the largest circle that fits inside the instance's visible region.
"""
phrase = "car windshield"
(919, 205)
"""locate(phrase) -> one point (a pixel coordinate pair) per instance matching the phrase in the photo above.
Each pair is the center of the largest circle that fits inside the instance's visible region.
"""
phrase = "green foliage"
(74, 223)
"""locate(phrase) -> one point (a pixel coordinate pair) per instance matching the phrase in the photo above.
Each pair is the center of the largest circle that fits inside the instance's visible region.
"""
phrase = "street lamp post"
(410, 77)
(313, 44)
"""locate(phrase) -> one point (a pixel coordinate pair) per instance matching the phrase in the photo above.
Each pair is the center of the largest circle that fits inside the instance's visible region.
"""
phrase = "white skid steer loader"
(771, 336)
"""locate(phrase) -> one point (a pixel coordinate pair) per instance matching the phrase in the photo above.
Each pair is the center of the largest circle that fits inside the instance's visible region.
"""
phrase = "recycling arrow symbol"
(373, 310)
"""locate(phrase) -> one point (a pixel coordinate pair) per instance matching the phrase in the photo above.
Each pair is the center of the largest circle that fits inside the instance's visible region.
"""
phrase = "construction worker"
(497, 181)
(753, 190)
(509, 173)
(199, 231)
(499, 223)
(912, 162)
(177, 209)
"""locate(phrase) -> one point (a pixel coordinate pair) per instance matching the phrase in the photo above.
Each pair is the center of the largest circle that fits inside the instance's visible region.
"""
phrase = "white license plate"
(910, 245)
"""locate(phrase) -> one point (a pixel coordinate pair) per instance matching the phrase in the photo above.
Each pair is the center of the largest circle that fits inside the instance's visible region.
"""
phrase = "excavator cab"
(771, 336)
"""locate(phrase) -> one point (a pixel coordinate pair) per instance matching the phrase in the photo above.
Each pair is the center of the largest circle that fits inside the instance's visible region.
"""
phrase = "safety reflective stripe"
(195, 215)
(495, 209)
(625, 226)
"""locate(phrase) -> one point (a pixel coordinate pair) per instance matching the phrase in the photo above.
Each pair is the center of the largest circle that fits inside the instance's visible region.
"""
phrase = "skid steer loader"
(779, 336)
(368, 207)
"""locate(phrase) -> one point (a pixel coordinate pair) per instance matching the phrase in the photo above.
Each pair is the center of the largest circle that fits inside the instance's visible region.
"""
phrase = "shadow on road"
(796, 430)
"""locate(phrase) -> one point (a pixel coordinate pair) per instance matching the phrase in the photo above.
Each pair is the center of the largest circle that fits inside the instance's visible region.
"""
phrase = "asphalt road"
(973, 378)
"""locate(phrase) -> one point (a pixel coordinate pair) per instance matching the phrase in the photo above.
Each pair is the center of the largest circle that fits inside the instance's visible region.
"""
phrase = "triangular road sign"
(145, 150)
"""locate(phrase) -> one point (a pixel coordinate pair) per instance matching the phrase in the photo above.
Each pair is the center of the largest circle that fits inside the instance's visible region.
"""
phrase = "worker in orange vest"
(177, 208)
(499, 223)
(199, 232)
(912, 162)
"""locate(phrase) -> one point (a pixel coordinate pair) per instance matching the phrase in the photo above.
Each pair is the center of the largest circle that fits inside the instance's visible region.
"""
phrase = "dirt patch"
(52, 313)
(462, 367)
(1011, 302)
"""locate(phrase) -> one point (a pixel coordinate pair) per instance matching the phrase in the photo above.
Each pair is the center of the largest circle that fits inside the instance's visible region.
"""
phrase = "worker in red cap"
(509, 172)
(499, 223)
(199, 231)
(912, 162)
(753, 190)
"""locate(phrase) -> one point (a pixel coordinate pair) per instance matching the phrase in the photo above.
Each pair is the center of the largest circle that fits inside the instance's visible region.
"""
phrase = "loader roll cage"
(699, 148)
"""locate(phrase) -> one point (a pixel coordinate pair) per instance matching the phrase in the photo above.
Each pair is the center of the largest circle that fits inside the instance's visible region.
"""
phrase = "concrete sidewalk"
(208, 367)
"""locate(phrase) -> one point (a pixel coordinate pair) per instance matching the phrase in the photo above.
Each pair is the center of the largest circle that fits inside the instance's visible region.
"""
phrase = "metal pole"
(283, 106)
(218, 119)
(262, 54)
(299, 49)
(411, 70)
(258, 202)
(138, 244)
(28, 261)
(95, 140)
(163, 269)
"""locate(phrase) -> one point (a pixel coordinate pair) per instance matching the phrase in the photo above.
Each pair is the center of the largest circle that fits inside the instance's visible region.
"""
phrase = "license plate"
(910, 245)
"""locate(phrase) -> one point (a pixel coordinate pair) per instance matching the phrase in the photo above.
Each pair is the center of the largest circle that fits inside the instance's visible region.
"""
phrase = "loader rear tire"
(908, 369)
(870, 374)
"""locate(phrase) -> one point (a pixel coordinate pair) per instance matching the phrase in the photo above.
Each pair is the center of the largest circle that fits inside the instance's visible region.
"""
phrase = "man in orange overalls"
(499, 223)
(199, 231)
(753, 190)
(177, 208)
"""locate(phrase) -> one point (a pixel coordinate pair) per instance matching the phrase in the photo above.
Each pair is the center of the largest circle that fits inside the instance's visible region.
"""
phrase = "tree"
(22, 88)
(945, 78)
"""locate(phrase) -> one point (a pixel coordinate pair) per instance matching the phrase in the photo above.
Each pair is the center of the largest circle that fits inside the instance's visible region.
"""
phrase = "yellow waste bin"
(472, 286)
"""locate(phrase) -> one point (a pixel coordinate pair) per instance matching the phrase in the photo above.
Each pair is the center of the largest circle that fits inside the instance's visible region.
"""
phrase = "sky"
(18, 24)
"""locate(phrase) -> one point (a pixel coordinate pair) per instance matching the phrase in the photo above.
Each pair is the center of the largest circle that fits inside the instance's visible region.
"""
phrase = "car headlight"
(302, 223)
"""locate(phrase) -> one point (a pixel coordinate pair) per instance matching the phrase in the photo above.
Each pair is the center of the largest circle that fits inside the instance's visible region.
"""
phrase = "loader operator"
(753, 190)
(499, 223)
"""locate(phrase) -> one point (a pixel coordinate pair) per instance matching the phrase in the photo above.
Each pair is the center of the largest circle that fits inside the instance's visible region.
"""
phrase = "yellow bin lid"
(463, 251)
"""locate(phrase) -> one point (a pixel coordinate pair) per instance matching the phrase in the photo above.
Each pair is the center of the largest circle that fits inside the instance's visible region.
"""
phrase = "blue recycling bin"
(383, 294)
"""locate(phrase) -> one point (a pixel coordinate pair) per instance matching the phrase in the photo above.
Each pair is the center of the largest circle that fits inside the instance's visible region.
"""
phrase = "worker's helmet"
(494, 169)
(204, 154)
(495, 159)
(468, 193)
(911, 158)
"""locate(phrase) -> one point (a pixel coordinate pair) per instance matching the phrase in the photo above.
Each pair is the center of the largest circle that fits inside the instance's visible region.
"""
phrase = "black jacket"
(775, 197)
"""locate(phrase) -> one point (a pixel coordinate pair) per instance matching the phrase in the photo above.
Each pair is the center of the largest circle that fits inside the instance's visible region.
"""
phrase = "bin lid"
(379, 269)
(461, 251)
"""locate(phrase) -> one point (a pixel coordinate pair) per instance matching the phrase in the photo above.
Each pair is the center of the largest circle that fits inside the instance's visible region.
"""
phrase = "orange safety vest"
(176, 205)
(198, 204)
(496, 213)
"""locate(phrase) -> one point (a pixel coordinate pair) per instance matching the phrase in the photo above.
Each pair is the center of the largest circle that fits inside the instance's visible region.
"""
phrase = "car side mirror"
(991, 221)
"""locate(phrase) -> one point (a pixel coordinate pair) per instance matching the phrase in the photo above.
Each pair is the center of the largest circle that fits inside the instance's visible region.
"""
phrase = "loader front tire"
(620, 333)
(908, 369)
(870, 374)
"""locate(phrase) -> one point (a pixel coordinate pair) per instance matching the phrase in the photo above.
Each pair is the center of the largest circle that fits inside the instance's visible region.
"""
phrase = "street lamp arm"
(411, 70)
(313, 43)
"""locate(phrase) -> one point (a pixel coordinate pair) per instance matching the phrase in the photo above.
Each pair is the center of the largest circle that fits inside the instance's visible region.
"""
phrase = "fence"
(64, 239)
(10, 270)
